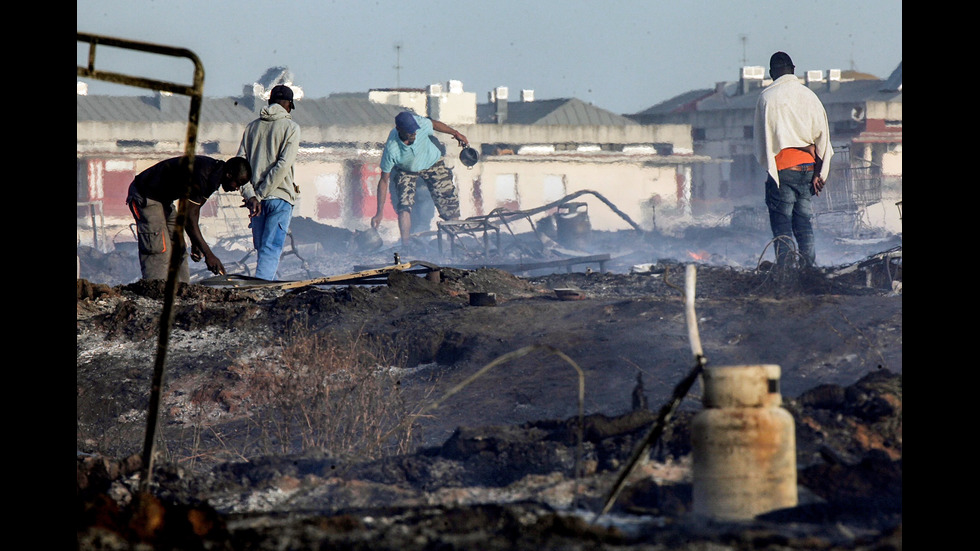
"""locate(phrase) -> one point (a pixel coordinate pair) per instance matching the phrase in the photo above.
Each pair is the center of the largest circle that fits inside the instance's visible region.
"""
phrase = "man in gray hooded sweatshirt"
(270, 144)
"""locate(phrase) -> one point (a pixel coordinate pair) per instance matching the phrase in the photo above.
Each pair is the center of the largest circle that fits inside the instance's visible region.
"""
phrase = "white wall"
(631, 187)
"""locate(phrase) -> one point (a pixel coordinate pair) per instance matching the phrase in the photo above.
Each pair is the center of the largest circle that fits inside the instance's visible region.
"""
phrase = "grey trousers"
(155, 223)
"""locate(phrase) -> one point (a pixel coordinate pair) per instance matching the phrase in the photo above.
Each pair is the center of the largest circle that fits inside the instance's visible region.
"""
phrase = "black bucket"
(469, 157)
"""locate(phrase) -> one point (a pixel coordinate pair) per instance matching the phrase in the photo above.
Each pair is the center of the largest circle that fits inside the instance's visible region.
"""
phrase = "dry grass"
(311, 392)
(334, 396)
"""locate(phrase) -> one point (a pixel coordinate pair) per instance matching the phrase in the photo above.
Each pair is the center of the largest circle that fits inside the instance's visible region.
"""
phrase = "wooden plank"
(347, 277)
(342, 278)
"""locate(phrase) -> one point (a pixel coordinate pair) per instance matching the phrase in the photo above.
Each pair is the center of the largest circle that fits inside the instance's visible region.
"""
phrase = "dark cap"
(780, 59)
(405, 122)
(282, 93)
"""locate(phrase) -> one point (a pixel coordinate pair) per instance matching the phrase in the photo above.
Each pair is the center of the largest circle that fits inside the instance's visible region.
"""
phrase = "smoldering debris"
(319, 250)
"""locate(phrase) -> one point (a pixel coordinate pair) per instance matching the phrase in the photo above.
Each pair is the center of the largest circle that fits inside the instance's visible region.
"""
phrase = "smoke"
(319, 250)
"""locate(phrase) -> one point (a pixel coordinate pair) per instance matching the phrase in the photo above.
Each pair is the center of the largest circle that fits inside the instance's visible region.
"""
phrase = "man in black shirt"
(151, 200)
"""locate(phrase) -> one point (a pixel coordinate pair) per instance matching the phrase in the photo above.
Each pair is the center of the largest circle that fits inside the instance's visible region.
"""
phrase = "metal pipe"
(196, 92)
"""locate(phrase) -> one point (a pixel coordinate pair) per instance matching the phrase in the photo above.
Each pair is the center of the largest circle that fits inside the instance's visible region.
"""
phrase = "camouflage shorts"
(439, 179)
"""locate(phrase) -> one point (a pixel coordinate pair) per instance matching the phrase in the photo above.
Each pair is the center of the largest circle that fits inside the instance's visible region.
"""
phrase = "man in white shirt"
(792, 142)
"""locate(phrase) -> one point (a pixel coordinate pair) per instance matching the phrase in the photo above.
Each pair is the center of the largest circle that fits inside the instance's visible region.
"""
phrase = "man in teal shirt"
(410, 149)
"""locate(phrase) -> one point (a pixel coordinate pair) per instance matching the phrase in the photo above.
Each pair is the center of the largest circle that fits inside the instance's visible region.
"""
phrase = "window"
(506, 192)
(122, 144)
(554, 187)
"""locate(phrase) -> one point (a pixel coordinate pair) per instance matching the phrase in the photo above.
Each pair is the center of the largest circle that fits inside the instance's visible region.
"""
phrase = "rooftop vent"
(498, 97)
(527, 95)
(813, 79)
(498, 93)
(751, 78)
(833, 79)
(753, 72)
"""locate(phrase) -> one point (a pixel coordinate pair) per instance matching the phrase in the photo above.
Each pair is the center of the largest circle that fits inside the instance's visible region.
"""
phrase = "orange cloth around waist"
(792, 157)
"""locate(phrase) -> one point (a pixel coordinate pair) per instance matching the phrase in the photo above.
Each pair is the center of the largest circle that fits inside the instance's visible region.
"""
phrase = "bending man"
(151, 200)
(410, 148)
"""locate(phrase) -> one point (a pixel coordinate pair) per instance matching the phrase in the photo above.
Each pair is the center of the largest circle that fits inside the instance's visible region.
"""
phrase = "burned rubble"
(513, 487)
(504, 463)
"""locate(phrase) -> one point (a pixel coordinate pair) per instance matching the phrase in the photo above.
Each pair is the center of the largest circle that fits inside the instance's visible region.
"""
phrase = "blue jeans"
(269, 235)
(791, 214)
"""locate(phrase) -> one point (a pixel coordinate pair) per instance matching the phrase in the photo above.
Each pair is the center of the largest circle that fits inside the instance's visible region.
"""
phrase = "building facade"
(541, 152)
(865, 115)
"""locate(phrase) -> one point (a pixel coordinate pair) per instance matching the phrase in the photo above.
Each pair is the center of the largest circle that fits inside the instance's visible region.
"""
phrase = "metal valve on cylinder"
(744, 445)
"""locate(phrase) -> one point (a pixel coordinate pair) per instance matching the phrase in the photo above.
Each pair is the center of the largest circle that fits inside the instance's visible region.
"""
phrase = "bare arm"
(382, 196)
(198, 245)
(818, 182)
(446, 129)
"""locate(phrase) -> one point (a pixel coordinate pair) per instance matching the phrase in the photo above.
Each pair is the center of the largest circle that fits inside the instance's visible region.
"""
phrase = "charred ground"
(494, 466)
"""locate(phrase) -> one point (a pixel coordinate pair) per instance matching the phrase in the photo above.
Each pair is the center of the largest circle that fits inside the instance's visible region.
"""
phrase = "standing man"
(151, 200)
(270, 144)
(410, 149)
(792, 142)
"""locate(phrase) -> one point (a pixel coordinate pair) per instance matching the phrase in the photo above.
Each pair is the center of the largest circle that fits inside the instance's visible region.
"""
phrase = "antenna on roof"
(398, 65)
(744, 38)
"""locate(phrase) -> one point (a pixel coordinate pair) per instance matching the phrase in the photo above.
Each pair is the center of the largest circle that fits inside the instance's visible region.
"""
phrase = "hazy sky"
(621, 55)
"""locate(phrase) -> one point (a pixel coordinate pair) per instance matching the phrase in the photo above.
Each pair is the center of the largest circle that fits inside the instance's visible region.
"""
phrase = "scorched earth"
(403, 415)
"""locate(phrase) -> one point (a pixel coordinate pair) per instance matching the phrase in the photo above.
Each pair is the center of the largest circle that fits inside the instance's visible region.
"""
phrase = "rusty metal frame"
(474, 225)
(196, 93)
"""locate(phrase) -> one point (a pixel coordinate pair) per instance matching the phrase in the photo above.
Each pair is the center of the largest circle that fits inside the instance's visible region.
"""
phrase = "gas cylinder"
(573, 226)
(743, 444)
